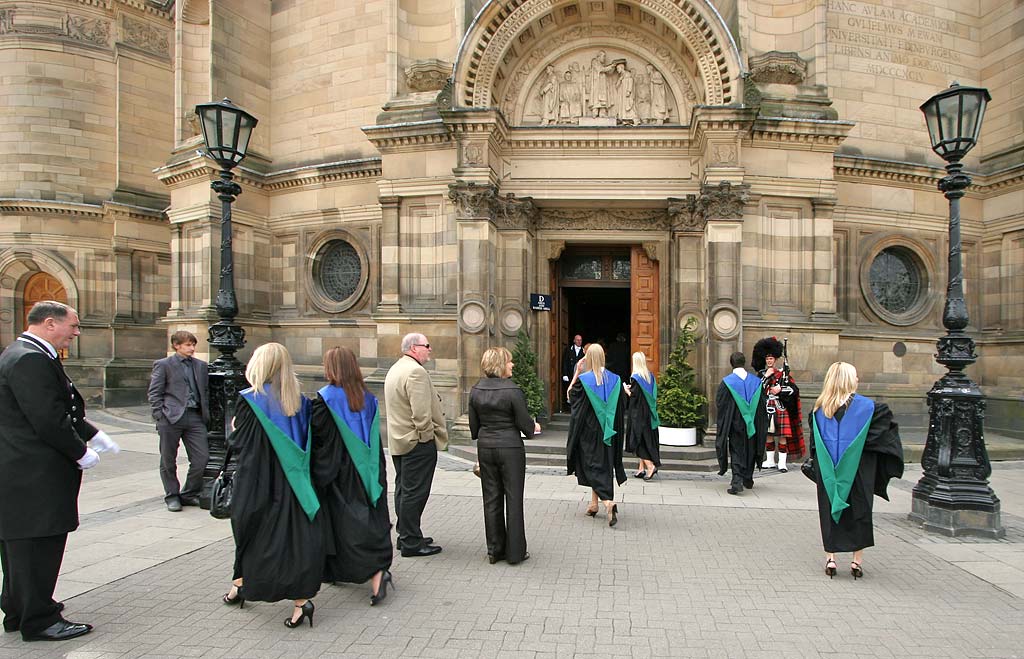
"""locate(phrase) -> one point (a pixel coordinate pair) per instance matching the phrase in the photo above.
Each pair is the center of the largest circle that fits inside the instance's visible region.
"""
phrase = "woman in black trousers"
(497, 416)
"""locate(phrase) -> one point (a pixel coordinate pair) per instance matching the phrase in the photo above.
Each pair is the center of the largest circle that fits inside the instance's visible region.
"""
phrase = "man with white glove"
(89, 460)
(42, 455)
(102, 442)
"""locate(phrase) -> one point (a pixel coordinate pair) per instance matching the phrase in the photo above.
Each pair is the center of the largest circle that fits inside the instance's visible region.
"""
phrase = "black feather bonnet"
(769, 345)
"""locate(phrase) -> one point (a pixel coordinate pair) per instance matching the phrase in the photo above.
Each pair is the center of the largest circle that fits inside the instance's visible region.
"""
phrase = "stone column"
(823, 270)
(389, 282)
(477, 239)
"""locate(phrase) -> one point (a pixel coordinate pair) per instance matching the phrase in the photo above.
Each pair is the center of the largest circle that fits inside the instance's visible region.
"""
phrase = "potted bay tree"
(681, 406)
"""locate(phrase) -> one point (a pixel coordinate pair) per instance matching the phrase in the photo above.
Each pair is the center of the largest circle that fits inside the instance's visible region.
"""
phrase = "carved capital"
(724, 201)
(555, 249)
(472, 200)
(775, 66)
(427, 74)
(511, 212)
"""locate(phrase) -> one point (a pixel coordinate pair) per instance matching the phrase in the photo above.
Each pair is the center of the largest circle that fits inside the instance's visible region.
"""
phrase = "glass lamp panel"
(931, 118)
(209, 122)
(949, 117)
(245, 132)
(229, 131)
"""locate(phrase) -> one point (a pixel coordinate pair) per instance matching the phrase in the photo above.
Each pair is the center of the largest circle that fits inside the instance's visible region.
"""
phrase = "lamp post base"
(953, 497)
(957, 508)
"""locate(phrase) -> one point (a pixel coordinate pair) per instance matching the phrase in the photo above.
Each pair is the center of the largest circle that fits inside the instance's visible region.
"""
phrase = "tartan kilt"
(788, 428)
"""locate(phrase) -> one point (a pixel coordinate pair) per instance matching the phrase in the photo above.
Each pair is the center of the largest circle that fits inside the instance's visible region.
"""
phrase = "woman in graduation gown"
(278, 535)
(351, 477)
(594, 446)
(856, 449)
(642, 415)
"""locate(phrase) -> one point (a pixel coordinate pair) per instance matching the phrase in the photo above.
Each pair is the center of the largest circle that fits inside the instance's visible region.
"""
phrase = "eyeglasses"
(423, 345)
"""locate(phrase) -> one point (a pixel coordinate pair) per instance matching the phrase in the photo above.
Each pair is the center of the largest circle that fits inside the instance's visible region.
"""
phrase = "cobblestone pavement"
(688, 572)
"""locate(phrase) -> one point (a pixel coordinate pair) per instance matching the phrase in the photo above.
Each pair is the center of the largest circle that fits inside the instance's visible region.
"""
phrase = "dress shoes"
(734, 490)
(174, 505)
(61, 630)
(10, 625)
(749, 484)
(422, 550)
(189, 501)
(426, 540)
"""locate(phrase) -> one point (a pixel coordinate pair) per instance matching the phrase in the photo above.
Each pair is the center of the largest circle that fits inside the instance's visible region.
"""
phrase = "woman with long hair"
(642, 414)
(350, 474)
(594, 446)
(856, 449)
(278, 536)
(497, 416)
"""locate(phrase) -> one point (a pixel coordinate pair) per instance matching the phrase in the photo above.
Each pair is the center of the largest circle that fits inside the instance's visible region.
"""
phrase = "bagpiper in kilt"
(782, 400)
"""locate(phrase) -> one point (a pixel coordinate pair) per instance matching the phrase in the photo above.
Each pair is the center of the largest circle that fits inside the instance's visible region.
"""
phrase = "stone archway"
(506, 32)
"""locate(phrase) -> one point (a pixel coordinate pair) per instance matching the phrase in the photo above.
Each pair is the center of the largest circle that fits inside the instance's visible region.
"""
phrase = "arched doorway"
(42, 286)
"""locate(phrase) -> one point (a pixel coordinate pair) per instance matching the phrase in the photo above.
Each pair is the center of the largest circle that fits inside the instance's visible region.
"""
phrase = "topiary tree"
(680, 403)
(524, 373)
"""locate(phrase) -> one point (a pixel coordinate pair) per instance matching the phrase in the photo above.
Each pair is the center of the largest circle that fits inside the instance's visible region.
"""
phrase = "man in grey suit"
(181, 408)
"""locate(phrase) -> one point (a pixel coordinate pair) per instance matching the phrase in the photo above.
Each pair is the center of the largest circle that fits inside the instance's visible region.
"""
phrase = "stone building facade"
(758, 165)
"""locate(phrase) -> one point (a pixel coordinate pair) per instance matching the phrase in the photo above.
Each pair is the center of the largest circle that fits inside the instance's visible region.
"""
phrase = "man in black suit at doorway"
(178, 394)
(43, 450)
(573, 354)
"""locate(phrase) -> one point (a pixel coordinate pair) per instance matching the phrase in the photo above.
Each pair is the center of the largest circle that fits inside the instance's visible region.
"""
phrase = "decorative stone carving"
(192, 121)
(722, 202)
(472, 154)
(724, 154)
(6, 21)
(555, 249)
(445, 96)
(653, 251)
(775, 66)
(90, 30)
(472, 200)
(427, 74)
(602, 218)
(144, 36)
(511, 212)
(475, 201)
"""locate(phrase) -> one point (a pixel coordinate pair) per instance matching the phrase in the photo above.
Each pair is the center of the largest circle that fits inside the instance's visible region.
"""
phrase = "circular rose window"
(337, 270)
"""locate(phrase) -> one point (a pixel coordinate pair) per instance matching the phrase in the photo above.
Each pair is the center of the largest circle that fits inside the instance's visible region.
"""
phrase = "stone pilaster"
(823, 269)
(389, 277)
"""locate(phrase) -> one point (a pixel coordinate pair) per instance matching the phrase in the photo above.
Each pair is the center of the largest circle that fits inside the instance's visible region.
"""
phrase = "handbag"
(222, 491)
(807, 468)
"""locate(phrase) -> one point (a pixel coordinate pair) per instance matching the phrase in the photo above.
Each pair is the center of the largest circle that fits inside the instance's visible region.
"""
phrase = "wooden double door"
(605, 294)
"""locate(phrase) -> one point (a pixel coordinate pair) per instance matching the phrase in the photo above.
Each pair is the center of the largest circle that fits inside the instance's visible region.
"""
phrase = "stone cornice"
(186, 172)
(14, 206)
(132, 212)
(641, 138)
(804, 134)
(408, 136)
(860, 169)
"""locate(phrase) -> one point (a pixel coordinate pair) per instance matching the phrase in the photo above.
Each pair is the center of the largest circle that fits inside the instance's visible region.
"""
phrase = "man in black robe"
(573, 354)
(742, 424)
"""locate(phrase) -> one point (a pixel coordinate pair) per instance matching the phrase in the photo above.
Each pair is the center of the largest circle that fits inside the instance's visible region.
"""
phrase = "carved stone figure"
(643, 95)
(626, 88)
(570, 106)
(549, 97)
(659, 98)
(598, 88)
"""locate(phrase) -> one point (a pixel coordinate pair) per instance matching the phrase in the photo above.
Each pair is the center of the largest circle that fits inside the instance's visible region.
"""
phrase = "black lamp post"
(953, 497)
(226, 130)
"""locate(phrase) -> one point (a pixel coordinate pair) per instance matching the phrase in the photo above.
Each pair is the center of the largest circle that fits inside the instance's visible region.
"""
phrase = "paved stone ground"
(688, 572)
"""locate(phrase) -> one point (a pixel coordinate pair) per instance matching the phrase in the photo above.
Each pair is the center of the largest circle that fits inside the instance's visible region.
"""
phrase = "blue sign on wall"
(540, 302)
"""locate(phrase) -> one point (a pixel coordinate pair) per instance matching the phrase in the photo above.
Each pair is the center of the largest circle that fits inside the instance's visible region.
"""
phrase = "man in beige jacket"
(416, 430)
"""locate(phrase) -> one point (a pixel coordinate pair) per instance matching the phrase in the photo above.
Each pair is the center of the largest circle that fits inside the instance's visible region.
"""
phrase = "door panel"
(644, 307)
(40, 287)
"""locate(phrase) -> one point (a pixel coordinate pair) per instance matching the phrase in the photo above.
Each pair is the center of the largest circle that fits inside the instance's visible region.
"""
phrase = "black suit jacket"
(42, 436)
(569, 362)
(168, 391)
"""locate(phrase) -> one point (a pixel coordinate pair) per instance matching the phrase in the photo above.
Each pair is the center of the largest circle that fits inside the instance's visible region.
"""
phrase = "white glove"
(89, 460)
(101, 442)
(565, 378)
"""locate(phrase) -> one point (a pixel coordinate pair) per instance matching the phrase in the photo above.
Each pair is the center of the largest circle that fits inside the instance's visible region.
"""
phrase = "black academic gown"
(641, 439)
(881, 460)
(278, 550)
(357, 533)
(731, 442)
(596, 465)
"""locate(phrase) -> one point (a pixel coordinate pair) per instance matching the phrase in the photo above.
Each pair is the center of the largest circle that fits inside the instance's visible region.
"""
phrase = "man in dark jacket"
(43, 434)
(742, 424)
(573, 354)
(178, 394)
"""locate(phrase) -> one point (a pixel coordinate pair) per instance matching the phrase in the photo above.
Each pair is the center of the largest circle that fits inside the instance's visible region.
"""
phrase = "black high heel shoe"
(856, 570)
(238, 599)
(830, 567)
(307, 612)
(592, 512)
(640, 474)
(382, 592)
(613, 515)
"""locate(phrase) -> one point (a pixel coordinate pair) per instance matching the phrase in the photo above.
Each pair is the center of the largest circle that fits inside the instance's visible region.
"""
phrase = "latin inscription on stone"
(894, 42)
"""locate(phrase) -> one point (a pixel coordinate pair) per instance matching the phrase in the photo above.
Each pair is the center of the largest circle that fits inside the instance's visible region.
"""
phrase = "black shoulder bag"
(223, 490)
